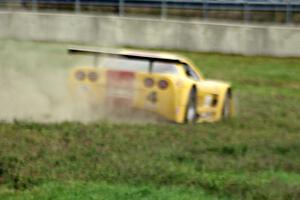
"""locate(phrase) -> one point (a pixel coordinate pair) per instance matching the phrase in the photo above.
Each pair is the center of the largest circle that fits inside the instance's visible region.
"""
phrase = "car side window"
(190, 72)
(164, 68)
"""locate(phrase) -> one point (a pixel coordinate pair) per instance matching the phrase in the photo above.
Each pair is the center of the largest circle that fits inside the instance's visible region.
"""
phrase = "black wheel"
(226, 111)
(191, 108)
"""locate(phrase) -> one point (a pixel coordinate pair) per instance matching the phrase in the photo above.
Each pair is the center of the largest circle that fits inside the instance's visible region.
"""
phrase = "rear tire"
(226, 111)
(191, 108)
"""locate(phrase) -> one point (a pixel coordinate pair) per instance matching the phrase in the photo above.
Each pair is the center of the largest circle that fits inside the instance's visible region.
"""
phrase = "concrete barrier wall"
(151, 33)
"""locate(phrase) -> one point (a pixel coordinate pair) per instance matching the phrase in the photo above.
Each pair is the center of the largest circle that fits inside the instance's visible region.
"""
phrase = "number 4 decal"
(152, 97)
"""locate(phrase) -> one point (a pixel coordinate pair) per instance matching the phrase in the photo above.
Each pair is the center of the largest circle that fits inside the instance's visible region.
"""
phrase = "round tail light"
(93, 76)
(149, 82)
(162, 84)
(79, 75)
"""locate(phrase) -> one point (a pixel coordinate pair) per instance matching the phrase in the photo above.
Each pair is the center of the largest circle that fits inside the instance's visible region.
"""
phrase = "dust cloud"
(34, 96)
(42, 95)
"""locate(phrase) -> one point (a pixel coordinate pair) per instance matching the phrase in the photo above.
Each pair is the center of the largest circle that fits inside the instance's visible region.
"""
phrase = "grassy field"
(253, 156)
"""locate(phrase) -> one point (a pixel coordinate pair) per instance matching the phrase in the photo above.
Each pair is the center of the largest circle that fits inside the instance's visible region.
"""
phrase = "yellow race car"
(166, 84)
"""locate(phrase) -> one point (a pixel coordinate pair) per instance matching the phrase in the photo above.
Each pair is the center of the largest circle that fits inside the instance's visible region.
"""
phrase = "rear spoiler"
(97, 53)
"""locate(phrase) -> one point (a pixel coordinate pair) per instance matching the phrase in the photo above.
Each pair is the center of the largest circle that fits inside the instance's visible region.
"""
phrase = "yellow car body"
(182, 95)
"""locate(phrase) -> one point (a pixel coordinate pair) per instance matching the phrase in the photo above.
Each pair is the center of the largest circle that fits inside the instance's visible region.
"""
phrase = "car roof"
(135, 54)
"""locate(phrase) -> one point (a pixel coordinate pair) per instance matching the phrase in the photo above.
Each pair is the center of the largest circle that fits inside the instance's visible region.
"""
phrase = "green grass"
(103, 191)
(253, 156)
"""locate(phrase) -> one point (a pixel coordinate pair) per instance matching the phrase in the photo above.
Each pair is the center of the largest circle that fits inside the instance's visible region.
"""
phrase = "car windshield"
(136, 65)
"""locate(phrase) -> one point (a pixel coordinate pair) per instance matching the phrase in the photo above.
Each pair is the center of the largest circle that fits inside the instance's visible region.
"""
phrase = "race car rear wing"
(136, 56)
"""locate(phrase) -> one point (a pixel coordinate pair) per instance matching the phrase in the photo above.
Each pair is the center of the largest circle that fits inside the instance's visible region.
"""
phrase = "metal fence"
(274, 11)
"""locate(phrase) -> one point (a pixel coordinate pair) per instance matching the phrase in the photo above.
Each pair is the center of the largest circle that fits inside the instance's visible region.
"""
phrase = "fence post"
(34, 5)
(164, 7)
(288, 16)
(246, 12)
(121, 7)
(77, 6)
(204, 10)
